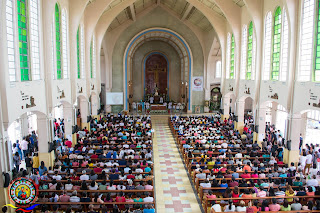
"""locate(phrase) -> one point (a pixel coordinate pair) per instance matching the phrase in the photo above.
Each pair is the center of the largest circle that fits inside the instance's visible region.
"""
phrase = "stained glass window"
(58, 41)
(92, 58)
(228, 56)
(10, 41)
(267, 46)
(23, 39)
(218, 69)
(243, 51)
(78, 53)
(254, 47)
(82, 51)
(276, 44)
(316, 73)
(64, 45)
(232, 58)
(250, 51)
(306, 45)
(284, 48)
(34, 38)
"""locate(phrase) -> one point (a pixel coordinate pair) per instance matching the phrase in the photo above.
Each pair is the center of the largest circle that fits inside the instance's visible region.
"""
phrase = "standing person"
(24, 147)
(308, 162)
(16, 161)
(28, 161)
(35, 140)
(35, 162)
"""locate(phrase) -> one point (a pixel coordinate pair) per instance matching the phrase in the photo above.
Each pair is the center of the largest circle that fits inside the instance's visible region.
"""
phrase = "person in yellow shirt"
(211, 163)
(35, 161)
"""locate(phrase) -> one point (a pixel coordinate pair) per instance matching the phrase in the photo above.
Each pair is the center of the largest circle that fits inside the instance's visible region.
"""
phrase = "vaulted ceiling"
(180, 7)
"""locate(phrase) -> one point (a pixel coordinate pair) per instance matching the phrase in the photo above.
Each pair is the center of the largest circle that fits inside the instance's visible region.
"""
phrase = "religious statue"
(156, 91)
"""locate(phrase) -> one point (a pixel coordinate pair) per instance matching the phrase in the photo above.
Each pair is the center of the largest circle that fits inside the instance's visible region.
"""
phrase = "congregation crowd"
(108, 169)
(232, 172)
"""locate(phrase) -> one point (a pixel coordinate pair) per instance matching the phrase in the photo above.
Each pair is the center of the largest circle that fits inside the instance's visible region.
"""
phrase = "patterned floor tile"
(173, 189)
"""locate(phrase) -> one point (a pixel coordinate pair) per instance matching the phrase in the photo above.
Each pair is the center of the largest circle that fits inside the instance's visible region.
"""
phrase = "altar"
(157, 107)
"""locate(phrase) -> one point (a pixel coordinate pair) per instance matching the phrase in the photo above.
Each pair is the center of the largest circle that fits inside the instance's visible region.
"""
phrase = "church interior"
(178, 105)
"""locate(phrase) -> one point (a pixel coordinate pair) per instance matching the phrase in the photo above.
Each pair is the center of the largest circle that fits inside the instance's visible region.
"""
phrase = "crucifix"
(156, 70)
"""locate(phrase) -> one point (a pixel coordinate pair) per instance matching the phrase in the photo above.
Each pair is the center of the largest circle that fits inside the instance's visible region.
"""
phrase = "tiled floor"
(173, 189)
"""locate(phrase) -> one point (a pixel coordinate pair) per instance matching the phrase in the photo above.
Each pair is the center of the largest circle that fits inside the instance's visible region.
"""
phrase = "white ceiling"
(179, 7)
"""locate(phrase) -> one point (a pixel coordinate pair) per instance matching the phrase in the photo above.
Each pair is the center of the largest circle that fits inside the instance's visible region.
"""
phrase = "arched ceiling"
(180, 7)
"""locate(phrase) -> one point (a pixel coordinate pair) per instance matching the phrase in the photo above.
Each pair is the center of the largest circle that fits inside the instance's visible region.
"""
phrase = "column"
(24, 125)
(207, 99)
(84, 110)
(294, 136)
(262, 124)
(43, 139)
(240, 114)
(94, 105)
(68, 116)
(304, 123)
(226, 107)
(274, 113)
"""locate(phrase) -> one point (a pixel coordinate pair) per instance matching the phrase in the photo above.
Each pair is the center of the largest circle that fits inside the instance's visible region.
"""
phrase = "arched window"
(218, 69)
(82, 51)
(284, 47)
(250, 52)
(267, 46)
(93, 58)
(316, 73)
(58, 40)
(306, 45)
(243, 51)
(232, 58)
(65, 45)
(78, 53)
(23, 39)
(52, 51)
(254, 47)
(10, 41)
(35, 40)
(228, 56)
(276, 44)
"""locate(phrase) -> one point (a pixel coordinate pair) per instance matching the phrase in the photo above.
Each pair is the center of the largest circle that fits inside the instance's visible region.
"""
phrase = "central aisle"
(173, 189)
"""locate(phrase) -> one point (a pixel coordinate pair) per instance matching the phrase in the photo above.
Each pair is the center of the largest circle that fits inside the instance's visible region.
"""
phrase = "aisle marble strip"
(174, 192)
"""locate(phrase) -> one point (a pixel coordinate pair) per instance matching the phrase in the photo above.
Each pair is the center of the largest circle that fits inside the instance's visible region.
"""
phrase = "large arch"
(173, 38)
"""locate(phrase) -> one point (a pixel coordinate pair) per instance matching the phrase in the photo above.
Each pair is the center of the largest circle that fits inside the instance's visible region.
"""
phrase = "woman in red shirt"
(235, 194)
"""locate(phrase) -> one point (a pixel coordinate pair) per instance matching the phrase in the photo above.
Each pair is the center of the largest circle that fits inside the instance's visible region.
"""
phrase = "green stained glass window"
(232, 58)
(58, 41)
(316, 73)
(78, 53)
(249, 51)
(276, 45)
(91, 61)
(23, 39)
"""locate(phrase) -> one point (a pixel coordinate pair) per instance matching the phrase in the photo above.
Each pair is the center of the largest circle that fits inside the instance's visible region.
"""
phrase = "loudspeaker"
(89, 118)
(256, 128)
(289, 145)
(6, 181)
(235, 118)
(74, 129)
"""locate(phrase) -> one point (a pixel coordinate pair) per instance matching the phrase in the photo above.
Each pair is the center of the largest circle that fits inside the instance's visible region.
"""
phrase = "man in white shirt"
(24, 147)
(151, 99)
(308, 162)
(84, 175)
(215, 206)
(313, 182)
(56, 176)
(148, 198)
